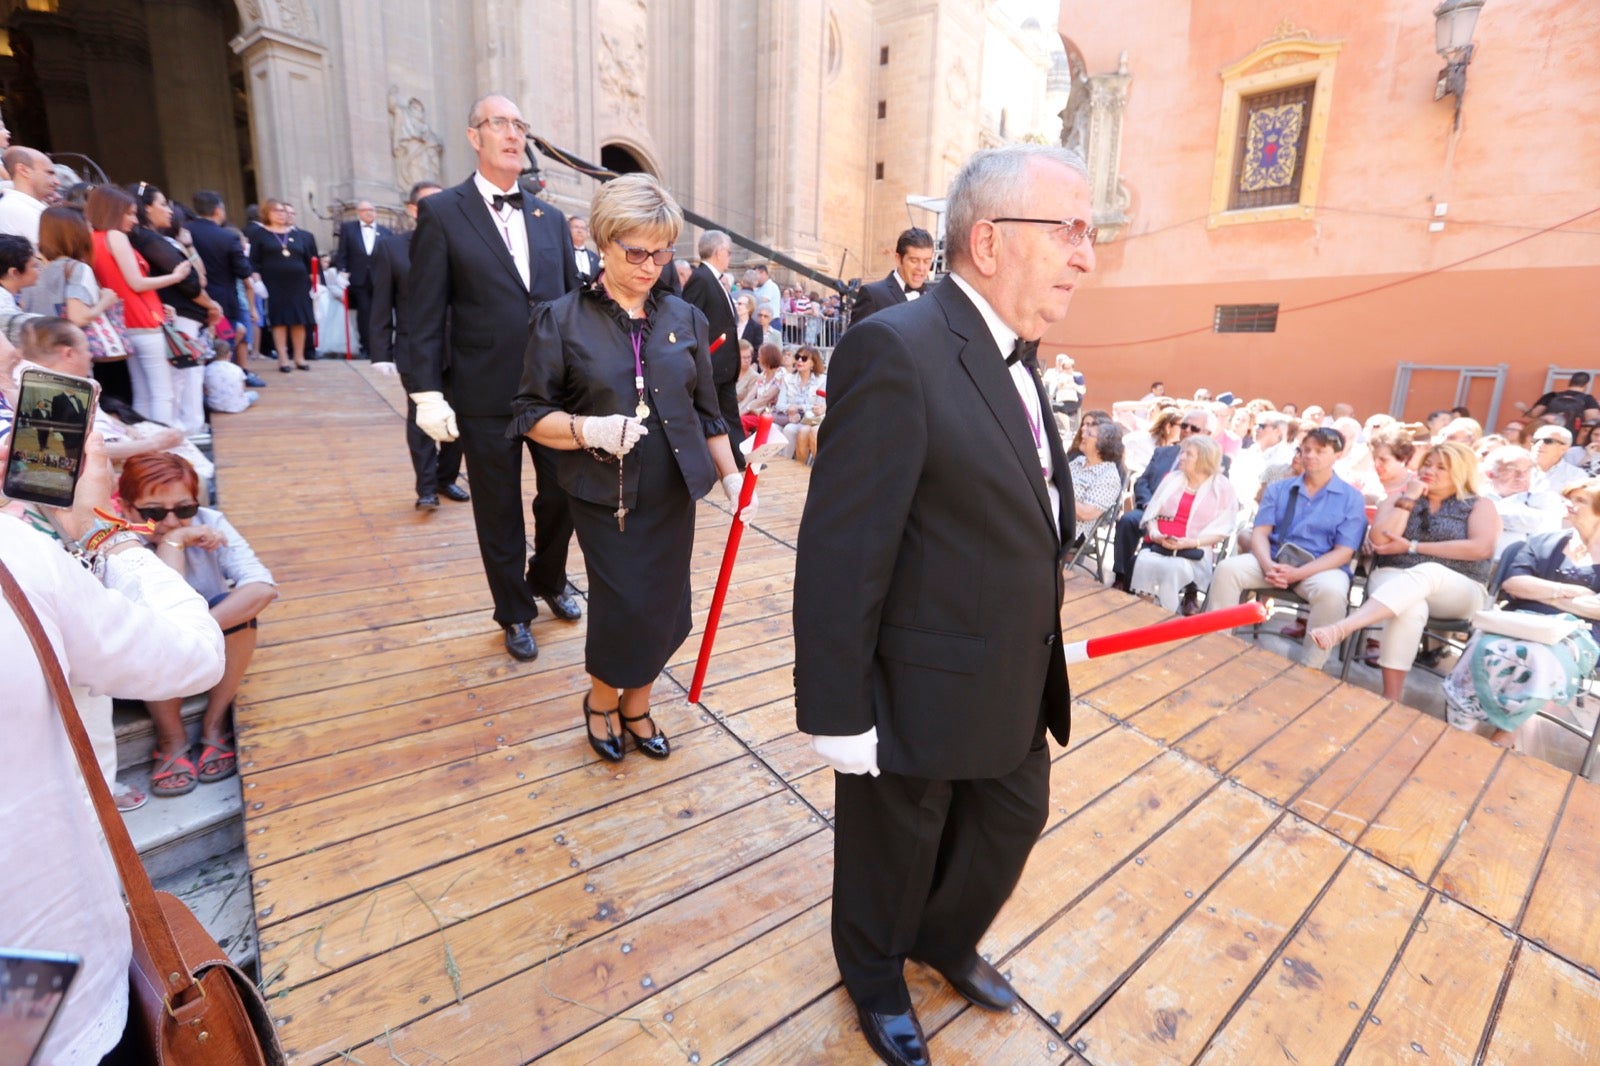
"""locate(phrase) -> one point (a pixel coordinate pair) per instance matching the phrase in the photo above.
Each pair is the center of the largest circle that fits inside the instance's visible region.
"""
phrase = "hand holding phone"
(53, 415)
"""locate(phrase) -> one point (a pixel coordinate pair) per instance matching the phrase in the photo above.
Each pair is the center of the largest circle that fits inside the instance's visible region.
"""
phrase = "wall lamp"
(1453, 24)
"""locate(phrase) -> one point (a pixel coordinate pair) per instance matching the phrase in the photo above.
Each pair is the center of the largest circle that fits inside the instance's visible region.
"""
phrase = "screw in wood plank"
(1052, 1046)
(627, 948)
(561, 838)
(647, 982)
(588, 888)
(667, 1017)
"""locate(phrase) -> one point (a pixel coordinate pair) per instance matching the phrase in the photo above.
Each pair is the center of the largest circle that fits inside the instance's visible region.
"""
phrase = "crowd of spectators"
(1369, 527)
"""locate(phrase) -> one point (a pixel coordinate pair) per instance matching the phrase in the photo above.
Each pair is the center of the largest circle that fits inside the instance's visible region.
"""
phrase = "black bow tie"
(512, 198)
(1022, 350)
(916, 289)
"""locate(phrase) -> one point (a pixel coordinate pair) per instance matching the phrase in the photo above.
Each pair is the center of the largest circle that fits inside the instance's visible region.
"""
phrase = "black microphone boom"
(847, 288)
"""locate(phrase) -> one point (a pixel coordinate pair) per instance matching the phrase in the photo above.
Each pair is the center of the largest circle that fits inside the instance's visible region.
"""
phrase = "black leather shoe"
(564, 606)
(610, 748)
(655, 745)
(427, 502)
(454, 492)
(520, 642)
(982, 984)
(897, 1038)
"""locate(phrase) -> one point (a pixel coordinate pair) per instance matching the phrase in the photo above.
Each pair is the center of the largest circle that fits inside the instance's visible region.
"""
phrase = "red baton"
(1163, 632)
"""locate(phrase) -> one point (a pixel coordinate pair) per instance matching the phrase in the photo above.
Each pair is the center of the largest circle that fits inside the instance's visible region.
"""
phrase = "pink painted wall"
(1527, 158)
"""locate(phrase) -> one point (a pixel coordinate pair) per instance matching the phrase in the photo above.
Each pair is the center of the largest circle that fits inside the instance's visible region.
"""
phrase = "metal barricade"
(815, 330)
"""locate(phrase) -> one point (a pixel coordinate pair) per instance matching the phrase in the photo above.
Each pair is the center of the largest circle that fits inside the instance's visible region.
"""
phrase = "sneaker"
(254, 381)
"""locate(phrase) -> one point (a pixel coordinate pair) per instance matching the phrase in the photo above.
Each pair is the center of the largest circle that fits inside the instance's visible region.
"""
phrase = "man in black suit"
(437, 466)
(485, 254)
(587, 262)
(221, 252)
(357, 238)
(705, 290)
(913, 255)
(928, 658)
(1130, 524)
(67, 408)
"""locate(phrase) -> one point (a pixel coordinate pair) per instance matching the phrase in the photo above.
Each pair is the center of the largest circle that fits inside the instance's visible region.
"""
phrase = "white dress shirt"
(508, 220)
(905, 289)
(145, 634)
(369, 236)
(1005, 338)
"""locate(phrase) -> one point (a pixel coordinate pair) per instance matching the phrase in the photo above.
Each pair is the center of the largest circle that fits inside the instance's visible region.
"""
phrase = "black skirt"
(639, 576)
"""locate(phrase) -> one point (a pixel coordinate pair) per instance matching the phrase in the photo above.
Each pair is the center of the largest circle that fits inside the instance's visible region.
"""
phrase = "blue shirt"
(1336, 516)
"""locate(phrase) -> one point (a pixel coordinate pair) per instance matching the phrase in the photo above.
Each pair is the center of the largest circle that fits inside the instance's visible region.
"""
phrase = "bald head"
(366, 212)
(30, 171)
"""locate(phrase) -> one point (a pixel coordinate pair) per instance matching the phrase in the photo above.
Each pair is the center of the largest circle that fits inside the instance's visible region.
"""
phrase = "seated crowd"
(1226, 499)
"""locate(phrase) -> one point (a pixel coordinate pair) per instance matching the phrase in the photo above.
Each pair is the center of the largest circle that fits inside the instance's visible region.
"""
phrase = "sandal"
(170, 768)
(655, 745)
(217, 761)
(128, 798)
(610, 747)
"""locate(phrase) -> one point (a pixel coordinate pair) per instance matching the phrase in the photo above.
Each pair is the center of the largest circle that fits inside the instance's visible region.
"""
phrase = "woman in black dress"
(282, 257)
(617, 380)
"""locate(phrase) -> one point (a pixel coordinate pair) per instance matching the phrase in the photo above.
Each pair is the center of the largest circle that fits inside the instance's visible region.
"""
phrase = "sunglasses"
(639, 255)
(1548, 440)
(156, 514)
(1191, 427)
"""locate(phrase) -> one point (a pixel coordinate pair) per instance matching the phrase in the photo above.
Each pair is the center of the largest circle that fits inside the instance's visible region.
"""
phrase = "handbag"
(183, 352)
(188, 1004)
(108, 336)
(1192, 554)
(1527, 625)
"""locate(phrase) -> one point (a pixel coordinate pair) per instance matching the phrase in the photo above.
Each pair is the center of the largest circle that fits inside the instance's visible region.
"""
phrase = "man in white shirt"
(33, 183)
(1552, 472)
(766, 292)
(588, 262)
(1523, 512)
(913, 259)
(357, 237)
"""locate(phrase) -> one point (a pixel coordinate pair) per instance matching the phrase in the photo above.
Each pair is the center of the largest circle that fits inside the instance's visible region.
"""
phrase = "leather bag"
(183, 352)
(189, 1005)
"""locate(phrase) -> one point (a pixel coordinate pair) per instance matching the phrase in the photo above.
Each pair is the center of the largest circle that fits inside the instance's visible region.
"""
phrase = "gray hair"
(1504, 456)
(472, 112)
(990, 181)
(712, 241)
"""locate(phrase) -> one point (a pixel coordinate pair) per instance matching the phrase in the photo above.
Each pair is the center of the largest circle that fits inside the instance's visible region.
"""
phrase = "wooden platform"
(1246, 861)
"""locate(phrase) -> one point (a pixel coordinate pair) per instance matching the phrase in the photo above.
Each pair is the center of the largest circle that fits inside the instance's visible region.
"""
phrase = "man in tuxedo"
(357, 237)
(485, 254)
(928, 658)
(437, 466)
(587, 262)
(705, 290)
(66, 407)
(913, 256)
(221, 252)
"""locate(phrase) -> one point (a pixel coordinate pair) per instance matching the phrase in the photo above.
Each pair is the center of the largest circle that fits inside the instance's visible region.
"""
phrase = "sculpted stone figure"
(418, 151)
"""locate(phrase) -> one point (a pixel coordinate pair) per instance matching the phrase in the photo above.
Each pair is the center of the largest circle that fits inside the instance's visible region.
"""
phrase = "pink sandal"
(169, 768)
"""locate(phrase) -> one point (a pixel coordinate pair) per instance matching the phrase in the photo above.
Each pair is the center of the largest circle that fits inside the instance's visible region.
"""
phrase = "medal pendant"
(286, 253)
(643, 410)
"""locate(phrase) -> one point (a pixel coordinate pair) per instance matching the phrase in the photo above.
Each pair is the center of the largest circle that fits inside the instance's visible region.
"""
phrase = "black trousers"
(728, 404)
(921, 868)
(436, 465)
(361, 315)
(1129, 537)
(496, 465)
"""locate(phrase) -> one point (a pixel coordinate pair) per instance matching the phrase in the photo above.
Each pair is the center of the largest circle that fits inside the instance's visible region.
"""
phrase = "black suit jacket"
(876, 295)
(351, 254)
(705, 291)
(391, 269)
(1161, 463)
(929, 584)
(467, 307)
(589, 272)
(222, 252)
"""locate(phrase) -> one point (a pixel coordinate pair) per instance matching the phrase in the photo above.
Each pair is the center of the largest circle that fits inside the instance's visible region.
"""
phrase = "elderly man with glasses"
(1523, 512)
(1552, 472)
(1308, 529)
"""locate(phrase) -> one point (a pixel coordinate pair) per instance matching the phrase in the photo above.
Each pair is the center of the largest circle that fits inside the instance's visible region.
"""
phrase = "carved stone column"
(1108, 105)
(287, 76)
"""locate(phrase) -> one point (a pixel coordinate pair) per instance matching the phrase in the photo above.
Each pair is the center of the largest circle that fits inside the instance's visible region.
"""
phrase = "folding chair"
(1447, 631)
(1094, 546)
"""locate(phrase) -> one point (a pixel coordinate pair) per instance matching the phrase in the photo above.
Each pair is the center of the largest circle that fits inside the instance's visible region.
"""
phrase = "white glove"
(616, 434)
(435, 417)
(850, 755)
(732, 485)
(386, 369)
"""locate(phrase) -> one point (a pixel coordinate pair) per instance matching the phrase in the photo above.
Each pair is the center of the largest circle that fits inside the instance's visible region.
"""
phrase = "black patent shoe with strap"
(655, 744)
(608, 747)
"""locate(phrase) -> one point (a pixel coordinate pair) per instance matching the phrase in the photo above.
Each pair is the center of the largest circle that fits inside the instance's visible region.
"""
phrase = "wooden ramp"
(1246, 861)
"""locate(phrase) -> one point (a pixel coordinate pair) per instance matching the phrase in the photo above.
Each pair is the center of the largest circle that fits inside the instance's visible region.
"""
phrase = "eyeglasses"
(639, 255)
(156, 514)
(1191, 427)
(1071, 230)
(500, 124)
(802, 359)
(1549, 440)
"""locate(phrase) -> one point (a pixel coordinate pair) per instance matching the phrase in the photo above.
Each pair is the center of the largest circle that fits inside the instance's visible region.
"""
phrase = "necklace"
(643, 408)
(283, 240)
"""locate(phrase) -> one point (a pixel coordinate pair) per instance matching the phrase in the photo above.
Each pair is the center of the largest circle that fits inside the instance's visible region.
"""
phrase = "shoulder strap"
(146, 911)
(1288, 513)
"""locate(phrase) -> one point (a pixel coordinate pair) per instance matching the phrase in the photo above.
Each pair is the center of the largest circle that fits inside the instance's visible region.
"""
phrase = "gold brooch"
(672, 338)
(538, 212)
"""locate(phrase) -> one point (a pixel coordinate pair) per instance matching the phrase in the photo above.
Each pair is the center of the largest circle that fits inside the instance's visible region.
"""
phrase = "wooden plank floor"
(1246, 861)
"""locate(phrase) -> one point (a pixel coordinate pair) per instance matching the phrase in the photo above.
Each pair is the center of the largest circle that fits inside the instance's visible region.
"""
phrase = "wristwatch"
(1414, 548)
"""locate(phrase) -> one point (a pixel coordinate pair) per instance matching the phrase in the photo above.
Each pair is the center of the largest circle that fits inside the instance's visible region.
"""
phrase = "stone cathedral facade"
(801, 123)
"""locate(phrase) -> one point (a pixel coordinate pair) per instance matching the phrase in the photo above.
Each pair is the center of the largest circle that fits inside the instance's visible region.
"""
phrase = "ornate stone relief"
(621, 67)
(418, 151)
(1092, 126)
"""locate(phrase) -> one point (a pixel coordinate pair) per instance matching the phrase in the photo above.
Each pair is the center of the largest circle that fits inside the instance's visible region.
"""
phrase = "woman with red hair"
(217, 562)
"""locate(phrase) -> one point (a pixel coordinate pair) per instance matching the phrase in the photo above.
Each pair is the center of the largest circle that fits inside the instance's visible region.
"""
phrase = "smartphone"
(54, 412)
(33, 985)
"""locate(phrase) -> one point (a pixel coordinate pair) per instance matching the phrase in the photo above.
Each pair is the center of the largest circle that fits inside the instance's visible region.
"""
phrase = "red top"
(1178, 523)
(140, 310)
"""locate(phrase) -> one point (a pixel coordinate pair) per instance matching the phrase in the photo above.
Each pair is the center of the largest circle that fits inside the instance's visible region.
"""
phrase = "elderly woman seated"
(1505, 679)
(1432, 546)
(1097, 469)
(217, 562)
(1193, 510)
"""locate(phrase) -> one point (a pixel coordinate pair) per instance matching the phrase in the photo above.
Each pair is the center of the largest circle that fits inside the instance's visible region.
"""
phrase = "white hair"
(990, 180)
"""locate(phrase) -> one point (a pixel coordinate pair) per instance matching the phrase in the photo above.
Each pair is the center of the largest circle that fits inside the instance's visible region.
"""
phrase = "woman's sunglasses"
(156, 514)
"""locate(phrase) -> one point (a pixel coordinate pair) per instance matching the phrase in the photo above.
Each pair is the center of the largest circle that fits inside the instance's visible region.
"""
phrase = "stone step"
(218, 892)
(173, 835)
(136, 733)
